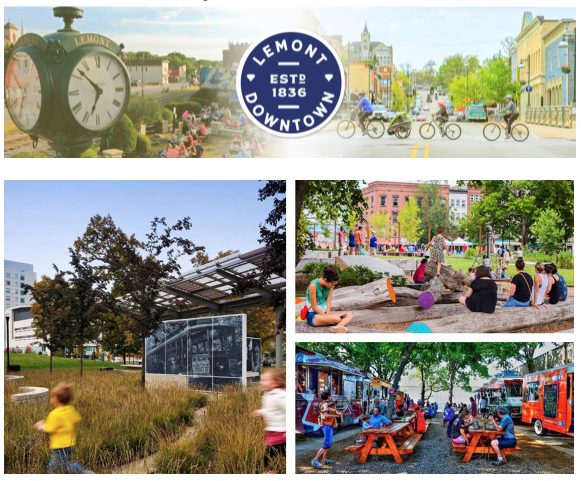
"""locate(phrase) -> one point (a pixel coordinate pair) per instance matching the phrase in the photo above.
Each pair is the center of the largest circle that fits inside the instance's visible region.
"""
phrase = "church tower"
(365, 43)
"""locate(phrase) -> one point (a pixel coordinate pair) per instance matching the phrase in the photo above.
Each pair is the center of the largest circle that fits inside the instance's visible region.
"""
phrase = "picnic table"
(394, 440)
(477, 445)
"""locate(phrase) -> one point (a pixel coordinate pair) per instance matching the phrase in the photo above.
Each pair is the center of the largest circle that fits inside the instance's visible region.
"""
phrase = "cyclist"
(509, 114)
(365, 110)
(441, 116)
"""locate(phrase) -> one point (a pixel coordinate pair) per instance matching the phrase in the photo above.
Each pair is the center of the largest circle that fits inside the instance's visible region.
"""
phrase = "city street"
(327, 143)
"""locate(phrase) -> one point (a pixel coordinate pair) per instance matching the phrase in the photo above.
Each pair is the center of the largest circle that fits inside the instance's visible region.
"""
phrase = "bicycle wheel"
(427, 131)
(519, 132)
(403, 132)
(491, 131)
(453, 131)
(375, 129)
(346, 129)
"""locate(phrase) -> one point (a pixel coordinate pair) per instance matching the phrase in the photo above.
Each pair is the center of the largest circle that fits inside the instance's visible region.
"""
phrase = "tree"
(200, 258)
(409, 221)
(504, 352)
(433, 208)
(549, 231)
(508, 46)
(455, 66)
(496, 79)
(380, 223)
(326, 199)
(138, 270)
(463, 361)
(124, 135)
(399, 96)
(50, 313)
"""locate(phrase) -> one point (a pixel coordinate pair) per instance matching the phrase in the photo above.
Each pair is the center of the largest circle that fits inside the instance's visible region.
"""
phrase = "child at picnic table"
(60, 425)
(273, 412)
(318, 303)
(459, 432)
(327, 420)
(507, 439)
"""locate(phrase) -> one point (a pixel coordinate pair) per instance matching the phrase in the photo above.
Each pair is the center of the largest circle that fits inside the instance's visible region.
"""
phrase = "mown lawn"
(35, 362)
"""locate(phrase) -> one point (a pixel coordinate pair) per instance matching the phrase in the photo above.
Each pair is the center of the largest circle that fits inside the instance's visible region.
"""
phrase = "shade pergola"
(209, 289)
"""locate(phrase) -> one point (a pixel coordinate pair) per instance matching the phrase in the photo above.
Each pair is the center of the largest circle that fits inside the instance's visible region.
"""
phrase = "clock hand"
(98, 89)
(96, 100)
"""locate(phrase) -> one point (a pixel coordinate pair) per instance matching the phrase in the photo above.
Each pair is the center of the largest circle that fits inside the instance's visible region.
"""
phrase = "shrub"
(30, 154)
(124, 135)
(145, 109)
(143, 145)
(90, 153)
(565, 261)
(470, 252)
(181, 107)
(350, 276)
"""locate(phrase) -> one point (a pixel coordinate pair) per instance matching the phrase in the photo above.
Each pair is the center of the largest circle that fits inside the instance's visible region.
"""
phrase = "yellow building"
(11, 34)
(531, 59)
(362, 78)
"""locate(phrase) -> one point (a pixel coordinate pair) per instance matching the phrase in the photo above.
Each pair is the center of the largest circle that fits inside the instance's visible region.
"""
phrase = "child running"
(318, 300)
(60, 425)
(273, 412)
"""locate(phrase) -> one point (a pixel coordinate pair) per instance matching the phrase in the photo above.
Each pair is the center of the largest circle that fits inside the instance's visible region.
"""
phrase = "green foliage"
(34, 362)
(181, 107)
(148, 110)
(434, 210)
(471, 252)
(565, 260)
(409, 221)
(30, 154)
(380, 223)
(124, 135)
(143, 145)
(349, 276)
(455, 66)
(549, 231)
(90, 153)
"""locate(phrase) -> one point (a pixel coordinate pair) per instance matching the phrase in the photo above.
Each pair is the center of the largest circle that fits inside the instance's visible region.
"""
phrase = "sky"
(418, 34)
(43, 218)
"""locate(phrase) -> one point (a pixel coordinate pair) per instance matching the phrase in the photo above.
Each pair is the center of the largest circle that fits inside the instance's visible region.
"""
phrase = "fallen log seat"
(506, 319)
(453, 280)
(432, 294)
(407, 447)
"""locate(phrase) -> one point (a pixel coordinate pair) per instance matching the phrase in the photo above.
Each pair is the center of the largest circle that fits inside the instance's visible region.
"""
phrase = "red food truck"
(547, 401)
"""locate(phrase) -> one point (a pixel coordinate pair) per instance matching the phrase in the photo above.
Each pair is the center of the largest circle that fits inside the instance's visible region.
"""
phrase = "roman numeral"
(119, 89)
(97, 121)
(98, 61)
(109, 64)
(77, 77)
(116, 103)
(77, 108)
(85, 117)
(86, 65)
(73, 92)
(109, 114)
(115, 76)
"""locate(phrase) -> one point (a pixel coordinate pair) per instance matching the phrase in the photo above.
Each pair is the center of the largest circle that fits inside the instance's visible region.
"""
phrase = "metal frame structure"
(210, 287)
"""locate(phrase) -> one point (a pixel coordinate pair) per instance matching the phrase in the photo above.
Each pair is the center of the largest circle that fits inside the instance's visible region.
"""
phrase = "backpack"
(450, 424)
(563, 289)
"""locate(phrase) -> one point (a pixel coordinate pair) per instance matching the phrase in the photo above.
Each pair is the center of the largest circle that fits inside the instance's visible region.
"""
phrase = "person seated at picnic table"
(419, 275)
(448, 414)
(376, 420)
(521, 287)
(482, 294)
(460, 433)
(507, 439)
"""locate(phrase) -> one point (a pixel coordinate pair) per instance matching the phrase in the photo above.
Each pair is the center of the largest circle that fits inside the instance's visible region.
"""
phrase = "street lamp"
(528, 89)
(564, 48)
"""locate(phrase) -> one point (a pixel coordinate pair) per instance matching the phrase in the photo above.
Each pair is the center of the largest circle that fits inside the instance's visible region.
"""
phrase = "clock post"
(68, 87)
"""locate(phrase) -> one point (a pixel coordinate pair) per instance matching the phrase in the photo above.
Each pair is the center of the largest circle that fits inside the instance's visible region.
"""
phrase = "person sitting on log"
(419, 274)
(318, 301)
(438, 245)
(521, 288)
(482, 294)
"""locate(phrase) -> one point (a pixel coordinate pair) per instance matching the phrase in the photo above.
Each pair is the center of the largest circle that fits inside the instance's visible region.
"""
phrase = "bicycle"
(346, 128)
(492, 130)
(448, 129)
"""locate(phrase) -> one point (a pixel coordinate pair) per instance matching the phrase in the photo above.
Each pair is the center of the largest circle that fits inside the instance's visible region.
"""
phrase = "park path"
(147, 465)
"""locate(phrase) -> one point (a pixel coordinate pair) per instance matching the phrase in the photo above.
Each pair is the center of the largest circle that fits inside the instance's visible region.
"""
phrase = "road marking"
(426, 151)
(414, 153)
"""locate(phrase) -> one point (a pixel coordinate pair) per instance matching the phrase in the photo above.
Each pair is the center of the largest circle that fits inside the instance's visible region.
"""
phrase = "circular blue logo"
(290, 84)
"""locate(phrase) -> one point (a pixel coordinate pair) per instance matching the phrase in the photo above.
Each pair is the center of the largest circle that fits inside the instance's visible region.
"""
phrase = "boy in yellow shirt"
(60, 426)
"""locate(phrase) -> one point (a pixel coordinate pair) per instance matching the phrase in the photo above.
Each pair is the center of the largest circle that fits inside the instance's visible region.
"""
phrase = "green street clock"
(68, 87)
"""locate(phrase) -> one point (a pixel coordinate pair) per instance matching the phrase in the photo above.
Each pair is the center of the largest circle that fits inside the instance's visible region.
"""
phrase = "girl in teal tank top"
(318, 301)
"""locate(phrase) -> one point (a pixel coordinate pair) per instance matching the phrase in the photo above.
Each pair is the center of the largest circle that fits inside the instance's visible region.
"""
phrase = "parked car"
(457, 116)
(420, 118)
(476, 112)
(380, 112)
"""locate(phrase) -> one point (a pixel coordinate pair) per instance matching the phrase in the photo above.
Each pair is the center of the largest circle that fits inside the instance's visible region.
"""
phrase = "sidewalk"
(544, 131)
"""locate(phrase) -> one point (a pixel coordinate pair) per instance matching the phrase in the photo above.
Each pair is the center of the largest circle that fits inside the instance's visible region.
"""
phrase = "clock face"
(23, 90)
(97, 91)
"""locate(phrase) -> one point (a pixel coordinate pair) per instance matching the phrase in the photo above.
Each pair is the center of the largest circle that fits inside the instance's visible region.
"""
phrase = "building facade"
(531, 57)
(559, 84)
(21, 333)
(155, 72)
(367, 51)
(16, 276)
(363, 78)
(390, 197)
(11, 34)
(233, 54)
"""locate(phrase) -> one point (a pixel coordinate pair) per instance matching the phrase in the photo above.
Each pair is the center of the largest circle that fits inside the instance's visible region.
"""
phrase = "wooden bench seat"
(407, 447)
(461, 448)
(354, 449)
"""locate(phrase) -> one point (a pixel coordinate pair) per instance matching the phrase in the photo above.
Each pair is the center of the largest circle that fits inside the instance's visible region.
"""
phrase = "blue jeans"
(328, 436)
(60, 462)
(512, 302)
